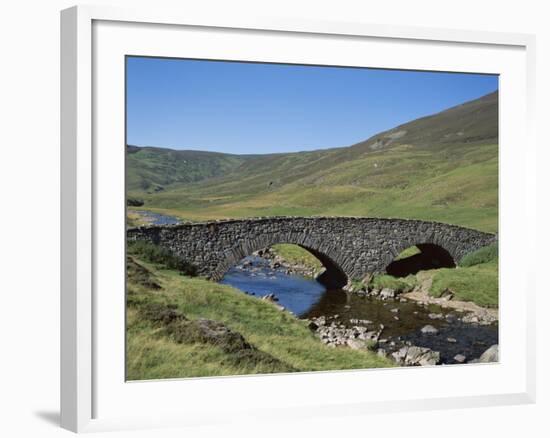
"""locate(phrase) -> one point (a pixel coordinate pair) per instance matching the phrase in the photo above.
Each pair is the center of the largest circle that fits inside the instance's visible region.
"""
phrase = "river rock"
(460, 358)
(429, 330)
(489, 355)
(451, 340)
(313, 325)
(470, 318)
(394, 310)
(435, 316)
(270, 297)
(414, 356)
(447, 295)
(450, 317)
(387, 293)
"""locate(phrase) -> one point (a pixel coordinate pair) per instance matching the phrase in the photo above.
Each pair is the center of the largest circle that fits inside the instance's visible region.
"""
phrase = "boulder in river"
(489, 355)
(414, 356)
(460, 358)
(429, 330)
(387, 293)
(374, 292)
(270, 297)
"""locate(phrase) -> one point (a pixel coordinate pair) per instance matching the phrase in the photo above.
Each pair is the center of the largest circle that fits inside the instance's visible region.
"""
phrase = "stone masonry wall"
(354, 246)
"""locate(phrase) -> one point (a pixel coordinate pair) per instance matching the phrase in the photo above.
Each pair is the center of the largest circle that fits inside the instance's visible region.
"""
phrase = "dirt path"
(420, 294)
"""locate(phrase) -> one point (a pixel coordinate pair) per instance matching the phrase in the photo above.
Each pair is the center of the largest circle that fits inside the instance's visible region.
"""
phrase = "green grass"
(413, 183)
(409, 252)
(161, 256)
(476, 279)
(478, 283)
(482, 255)
(154, 354)
(297, 255)
(382, 281)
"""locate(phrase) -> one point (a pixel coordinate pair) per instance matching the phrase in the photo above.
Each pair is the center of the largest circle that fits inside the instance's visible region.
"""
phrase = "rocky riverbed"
(409, 327)
(365, 334)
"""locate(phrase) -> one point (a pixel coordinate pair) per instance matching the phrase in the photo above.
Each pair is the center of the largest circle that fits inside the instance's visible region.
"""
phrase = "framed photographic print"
(257, 208)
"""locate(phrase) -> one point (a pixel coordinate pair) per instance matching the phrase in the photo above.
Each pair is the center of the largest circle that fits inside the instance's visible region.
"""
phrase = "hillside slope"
(442, 167)
(151, 169)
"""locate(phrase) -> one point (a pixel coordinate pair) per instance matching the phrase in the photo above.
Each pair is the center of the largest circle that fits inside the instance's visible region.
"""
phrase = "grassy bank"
(280, 342)
(478, 283)
(475, 279)
(295, 255)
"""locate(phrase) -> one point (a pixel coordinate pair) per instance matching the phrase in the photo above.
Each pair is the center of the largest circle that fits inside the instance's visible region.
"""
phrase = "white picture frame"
(91, 392)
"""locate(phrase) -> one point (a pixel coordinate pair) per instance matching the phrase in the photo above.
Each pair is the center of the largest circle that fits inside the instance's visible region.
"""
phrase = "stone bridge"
(348, 247)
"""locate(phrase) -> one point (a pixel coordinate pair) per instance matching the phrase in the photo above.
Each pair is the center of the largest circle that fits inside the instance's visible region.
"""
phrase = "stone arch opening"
(332, 275)
(426, 256)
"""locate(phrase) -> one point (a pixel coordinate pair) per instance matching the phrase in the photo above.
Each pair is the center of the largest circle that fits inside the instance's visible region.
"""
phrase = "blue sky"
(256, 108)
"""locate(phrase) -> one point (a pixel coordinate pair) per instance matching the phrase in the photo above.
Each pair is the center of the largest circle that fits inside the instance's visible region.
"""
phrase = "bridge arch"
(429, 256)
(440, 243)
(333, 276)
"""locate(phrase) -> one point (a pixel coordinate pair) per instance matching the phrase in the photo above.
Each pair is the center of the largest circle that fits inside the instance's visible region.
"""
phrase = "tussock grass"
(404, 284)
(476, 279)
(482, 255)
(160, 256)
(282, 341)
(478, 283)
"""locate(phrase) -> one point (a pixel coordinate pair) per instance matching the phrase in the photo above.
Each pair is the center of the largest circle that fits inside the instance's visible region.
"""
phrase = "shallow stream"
(402, 321)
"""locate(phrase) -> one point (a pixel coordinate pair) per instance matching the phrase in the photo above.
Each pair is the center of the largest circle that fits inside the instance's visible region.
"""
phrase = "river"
(402, 321)
(152, 218)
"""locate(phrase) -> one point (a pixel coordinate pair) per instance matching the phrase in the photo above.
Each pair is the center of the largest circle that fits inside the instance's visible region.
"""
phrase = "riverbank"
(380, 320)
(474, 312)
(293, 259)
(471, 288)
(179, 326)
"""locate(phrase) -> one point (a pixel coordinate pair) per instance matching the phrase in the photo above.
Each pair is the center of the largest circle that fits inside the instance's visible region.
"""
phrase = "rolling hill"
(442, 167)
(151, 169)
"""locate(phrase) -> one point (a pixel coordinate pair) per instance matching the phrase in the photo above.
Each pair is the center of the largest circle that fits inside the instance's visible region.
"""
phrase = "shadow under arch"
(333, 277)
(431, 256)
